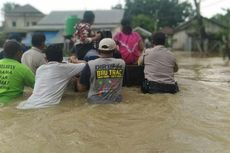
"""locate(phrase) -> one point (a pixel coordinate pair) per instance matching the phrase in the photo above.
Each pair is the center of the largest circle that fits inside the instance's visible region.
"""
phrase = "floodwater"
(196, 120)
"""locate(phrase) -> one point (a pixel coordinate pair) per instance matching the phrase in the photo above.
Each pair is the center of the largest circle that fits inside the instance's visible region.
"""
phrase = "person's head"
(107, 47)
(88, 17)
(126, 26)
(159, 38)
(38, 40)
(12, 49)
(54, 53)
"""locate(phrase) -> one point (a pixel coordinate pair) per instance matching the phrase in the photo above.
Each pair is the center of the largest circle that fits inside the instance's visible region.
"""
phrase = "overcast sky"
(208, 7)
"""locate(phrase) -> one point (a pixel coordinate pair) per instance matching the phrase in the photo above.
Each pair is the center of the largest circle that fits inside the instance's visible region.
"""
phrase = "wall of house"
(21, 21)
(187, 39)
(212, 28)
(179, 40)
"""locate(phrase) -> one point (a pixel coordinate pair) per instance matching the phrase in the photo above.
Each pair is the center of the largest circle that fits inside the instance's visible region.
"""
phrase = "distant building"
(53, 25)
(104, 19)
(186, 35)
(21, 18)
(143, 32)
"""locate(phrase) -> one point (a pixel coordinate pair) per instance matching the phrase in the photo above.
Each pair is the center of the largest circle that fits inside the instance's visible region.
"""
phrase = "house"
(53, 25)
(21, 17)
(143, 32)
(186, 35)
(169, 31)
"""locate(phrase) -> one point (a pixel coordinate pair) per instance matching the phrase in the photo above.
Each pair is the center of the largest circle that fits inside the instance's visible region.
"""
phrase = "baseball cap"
(107, 44)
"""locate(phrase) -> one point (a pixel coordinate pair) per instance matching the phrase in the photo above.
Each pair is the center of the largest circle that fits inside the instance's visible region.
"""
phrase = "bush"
(3, 38)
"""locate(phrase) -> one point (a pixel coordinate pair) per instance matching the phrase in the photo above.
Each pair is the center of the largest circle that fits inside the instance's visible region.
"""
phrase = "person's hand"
(73, 59)
(98, 36)
(80, 61)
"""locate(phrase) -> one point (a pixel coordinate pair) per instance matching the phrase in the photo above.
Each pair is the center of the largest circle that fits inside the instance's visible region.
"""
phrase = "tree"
(118, 6)
(7, 7)
(163, 12)
(224, 19)
(3, 37)
(143, 21)
(201, 28)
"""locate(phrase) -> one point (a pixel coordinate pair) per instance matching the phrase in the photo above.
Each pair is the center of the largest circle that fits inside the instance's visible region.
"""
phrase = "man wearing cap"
(13, 75)
(103, 76)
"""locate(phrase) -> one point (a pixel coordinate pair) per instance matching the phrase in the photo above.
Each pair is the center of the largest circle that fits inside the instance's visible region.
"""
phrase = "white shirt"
(50, 82)
(33, 58)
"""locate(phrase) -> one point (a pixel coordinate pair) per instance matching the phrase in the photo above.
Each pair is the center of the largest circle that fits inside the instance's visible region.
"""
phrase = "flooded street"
(195, 120)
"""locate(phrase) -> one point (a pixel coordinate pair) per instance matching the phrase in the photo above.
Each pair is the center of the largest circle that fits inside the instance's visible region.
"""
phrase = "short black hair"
(159, 38)
(106, 51)
(54, 53)
(88, 17)
(126, 26)
(38, 39)
(11, 47)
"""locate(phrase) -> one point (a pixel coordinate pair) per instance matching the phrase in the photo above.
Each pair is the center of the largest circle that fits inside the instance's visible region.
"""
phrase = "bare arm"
(91, 39)
(82, 82)
(80, 87)
(75, 60)
(141, 45)
(140, 60)
(176, 68)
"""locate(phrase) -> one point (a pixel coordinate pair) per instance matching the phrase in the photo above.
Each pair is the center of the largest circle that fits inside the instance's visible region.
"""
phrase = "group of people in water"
(100, 69)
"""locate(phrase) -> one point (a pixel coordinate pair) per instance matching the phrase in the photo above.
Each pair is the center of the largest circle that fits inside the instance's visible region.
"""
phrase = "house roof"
(143, 31)
(167, 30)
(186, 24)
(101, 17)
(26, 9)
(62, 27)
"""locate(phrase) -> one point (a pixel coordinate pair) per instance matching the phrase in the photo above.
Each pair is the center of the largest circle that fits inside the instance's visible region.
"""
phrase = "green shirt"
(13, 77)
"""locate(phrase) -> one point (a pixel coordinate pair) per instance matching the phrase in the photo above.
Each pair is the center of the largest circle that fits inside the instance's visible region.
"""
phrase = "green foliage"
(3, 37)
(143, 21)
(166, 12)
(224, 20)
(8, 6)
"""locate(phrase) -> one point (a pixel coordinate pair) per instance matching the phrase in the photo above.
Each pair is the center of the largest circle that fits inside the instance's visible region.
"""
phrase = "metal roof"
(143, 31)
(62, 27)
(101, 17)
(25, 9)
(46, 28)
(188, 23)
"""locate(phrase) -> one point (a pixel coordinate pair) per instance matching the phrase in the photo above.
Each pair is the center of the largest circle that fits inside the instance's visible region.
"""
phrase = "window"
(34, 23)
(14, 24)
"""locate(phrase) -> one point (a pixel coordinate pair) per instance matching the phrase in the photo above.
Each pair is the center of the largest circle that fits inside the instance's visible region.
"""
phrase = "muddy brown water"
(196, 120)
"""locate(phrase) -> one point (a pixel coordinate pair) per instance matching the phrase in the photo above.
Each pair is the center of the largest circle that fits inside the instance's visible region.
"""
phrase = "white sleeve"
(25, 60)
(42, 61)
(74, 69)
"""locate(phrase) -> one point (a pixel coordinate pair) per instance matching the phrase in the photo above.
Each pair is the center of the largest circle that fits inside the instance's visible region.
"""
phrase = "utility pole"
(202, 32)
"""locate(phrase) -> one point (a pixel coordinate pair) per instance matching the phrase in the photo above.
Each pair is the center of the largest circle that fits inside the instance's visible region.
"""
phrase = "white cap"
(107, 44)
